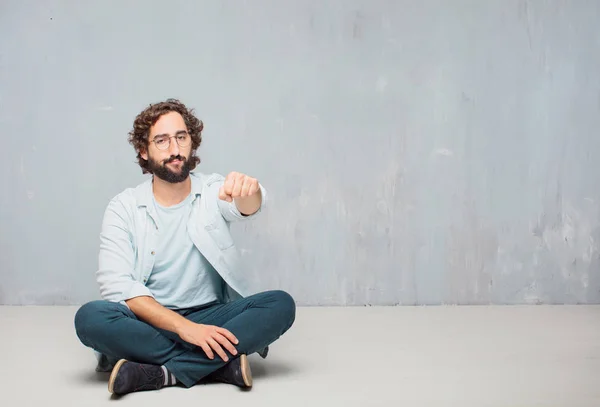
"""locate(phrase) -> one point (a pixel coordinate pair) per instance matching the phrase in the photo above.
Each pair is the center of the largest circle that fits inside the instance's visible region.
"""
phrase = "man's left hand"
(238, 185)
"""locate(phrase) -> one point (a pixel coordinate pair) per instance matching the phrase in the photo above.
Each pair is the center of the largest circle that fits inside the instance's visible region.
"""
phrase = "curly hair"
(138, 136)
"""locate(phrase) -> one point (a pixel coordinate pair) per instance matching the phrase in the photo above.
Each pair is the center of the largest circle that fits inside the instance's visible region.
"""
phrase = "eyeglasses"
(163, 141)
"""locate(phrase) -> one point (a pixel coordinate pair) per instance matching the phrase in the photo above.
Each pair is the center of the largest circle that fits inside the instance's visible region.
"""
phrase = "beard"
(164, 173)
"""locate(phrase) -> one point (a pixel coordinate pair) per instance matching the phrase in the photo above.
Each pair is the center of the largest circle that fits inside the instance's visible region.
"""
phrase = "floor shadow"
(94, 377)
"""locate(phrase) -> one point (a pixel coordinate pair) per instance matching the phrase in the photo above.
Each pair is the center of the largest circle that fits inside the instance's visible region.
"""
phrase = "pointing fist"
(238, 185)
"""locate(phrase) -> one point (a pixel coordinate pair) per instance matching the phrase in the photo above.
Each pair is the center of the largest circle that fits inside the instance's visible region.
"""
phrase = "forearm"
(248, 205)
(149, 310)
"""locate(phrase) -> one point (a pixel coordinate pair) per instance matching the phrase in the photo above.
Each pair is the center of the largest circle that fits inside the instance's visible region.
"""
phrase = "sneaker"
(127, 377)
(236, 372)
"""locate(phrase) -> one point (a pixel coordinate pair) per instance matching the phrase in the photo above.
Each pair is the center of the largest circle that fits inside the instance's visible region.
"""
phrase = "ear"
(144, 154)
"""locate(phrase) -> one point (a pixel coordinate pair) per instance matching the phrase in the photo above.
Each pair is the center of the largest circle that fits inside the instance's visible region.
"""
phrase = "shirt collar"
(143, 192)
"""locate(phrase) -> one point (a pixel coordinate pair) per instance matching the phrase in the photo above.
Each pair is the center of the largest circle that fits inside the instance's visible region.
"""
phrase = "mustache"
(173, 158)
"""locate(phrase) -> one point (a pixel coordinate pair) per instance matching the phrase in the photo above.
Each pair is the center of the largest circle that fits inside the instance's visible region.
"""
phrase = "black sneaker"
(127, 377)
(236, 372)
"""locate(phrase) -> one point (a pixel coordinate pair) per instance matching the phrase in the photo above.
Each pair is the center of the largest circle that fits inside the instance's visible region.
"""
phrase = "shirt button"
(152, 252)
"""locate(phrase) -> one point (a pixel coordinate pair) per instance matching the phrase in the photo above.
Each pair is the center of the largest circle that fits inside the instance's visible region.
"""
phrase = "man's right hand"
(209, 338)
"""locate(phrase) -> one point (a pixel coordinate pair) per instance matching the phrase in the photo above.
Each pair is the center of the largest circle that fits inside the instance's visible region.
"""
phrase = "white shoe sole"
(113, 375)
(246, 372)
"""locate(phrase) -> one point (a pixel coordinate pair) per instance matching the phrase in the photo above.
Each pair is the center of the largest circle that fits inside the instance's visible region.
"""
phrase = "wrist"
(248, 205)
(182, 325)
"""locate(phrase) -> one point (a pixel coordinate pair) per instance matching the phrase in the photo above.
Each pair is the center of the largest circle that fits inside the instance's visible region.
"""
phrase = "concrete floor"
(363, 356)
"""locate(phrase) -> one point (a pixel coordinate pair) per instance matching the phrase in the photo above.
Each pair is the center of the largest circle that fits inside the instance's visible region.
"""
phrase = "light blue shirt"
(131, 230)
(181, 277)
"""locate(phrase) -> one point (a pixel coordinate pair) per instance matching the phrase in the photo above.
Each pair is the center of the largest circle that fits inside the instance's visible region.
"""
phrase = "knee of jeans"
(87, 316)
(285, 304)
(83, 316)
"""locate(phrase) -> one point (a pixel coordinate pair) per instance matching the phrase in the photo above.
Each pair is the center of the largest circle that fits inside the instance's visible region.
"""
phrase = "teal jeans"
(113, 329)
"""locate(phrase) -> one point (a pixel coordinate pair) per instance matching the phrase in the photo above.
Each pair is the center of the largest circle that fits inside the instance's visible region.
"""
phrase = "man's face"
(166, 158)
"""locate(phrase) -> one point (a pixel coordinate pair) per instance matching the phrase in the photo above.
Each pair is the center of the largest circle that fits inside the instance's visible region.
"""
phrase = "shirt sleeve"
(115, 274)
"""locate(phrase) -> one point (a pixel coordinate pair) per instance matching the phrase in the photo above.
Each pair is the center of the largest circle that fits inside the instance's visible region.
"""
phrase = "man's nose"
(173, 146)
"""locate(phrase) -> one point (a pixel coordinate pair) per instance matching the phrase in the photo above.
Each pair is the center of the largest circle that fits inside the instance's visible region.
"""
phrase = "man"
(174, 307)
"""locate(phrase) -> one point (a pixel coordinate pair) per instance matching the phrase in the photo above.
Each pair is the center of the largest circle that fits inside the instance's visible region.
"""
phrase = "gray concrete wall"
(417, 152)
